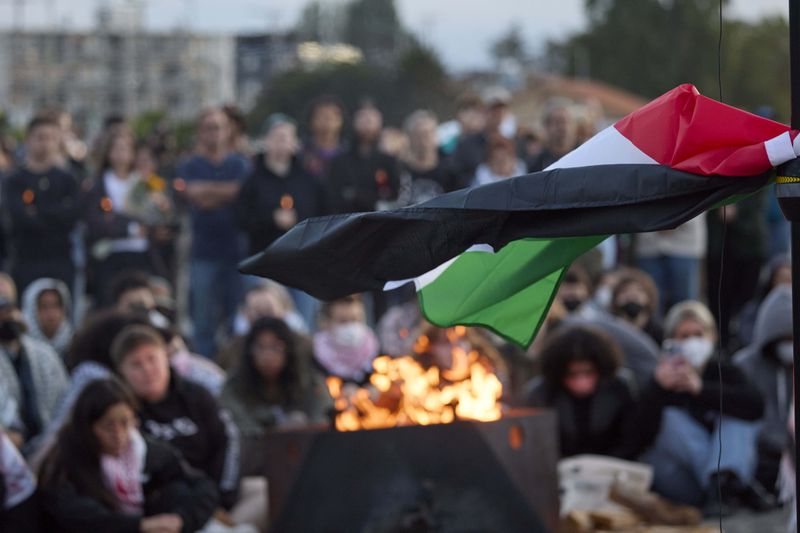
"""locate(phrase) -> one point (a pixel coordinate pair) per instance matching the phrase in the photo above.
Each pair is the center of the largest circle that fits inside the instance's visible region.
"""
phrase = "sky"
(460, 30)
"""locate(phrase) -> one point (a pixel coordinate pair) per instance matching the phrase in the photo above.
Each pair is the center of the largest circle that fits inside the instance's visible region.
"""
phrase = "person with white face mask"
(681, 423)
(345, 346)
(768, 363)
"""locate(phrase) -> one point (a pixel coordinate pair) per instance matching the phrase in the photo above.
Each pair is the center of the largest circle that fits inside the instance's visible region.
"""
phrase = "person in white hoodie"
(46, 306)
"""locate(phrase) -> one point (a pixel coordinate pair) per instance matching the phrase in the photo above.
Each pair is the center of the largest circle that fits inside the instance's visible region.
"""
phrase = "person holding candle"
(41, 207)
(278, 194)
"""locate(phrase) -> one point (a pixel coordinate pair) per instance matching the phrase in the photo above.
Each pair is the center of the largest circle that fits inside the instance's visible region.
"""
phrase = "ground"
(746, 522)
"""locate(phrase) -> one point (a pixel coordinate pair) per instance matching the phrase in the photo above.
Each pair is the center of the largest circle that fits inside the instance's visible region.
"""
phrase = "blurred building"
(116, 68)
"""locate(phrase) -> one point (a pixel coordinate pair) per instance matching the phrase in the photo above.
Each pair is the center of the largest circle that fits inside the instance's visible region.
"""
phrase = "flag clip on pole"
(787, 189)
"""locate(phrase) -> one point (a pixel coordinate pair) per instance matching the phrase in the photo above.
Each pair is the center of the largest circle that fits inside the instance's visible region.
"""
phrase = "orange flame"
(287, 202)
(401, 392)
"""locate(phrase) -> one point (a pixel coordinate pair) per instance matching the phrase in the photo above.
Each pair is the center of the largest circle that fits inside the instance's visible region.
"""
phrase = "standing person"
(325, 120)
(470, 151)
(470, 119)
(152, 200)
(104, 475)
(212, 179)
(672, 258)
(745, 254)
(240, 144)
(561, 134)
(501, 162)
(116, 237)
(41, 205)
(424, 173)
(363, 178)
(277, 195)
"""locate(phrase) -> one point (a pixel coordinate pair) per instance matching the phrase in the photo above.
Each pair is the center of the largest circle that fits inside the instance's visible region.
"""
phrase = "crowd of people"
(123, 409)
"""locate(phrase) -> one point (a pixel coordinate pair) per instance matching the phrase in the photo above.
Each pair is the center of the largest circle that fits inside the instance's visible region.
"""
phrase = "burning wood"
(406, 390)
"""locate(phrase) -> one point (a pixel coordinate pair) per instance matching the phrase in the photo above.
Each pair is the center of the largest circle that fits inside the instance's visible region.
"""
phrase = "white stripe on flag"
(608, 147)
(431, 276)
(780, 149)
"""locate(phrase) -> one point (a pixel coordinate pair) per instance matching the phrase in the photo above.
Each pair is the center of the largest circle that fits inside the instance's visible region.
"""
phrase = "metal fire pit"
(461, 477)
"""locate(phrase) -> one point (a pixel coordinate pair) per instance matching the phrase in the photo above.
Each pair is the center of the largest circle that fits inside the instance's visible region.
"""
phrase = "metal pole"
(788, 191)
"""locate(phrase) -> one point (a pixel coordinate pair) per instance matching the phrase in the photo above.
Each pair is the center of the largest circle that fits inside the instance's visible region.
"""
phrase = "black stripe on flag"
(330, 257)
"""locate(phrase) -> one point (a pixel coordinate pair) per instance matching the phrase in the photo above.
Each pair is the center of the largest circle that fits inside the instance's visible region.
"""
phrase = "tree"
(646, 46)
(510, 46)
(650, 46)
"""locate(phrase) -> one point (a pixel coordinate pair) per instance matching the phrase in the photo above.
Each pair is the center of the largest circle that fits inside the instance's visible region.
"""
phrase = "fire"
(403, 392)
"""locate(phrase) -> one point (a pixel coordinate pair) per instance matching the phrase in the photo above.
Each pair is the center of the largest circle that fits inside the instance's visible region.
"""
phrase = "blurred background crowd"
(121, 306)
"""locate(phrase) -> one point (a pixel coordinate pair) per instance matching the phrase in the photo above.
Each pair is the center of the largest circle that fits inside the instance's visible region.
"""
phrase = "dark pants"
(26, 272)
(739, 281)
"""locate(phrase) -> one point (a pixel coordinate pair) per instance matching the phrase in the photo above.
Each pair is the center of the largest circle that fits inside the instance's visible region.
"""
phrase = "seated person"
(105, 476)
(345, 346)
(681, 423)
(46, 306)
(580, 381)
(19, 505)
(266, 299)
(635, 300)
(177, 411)
(134, 293)
(273, 384)
(768, 363)
(32, 380)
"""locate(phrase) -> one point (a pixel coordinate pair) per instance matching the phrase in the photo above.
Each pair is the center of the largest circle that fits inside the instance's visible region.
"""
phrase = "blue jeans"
(677, 278)
(684, 454)
(215, 291)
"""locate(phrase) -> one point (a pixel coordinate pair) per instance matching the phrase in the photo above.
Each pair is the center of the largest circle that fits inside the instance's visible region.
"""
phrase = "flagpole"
(788, 191)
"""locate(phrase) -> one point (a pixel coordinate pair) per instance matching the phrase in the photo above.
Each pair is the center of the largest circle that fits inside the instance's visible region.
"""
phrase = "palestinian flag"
(494, 255)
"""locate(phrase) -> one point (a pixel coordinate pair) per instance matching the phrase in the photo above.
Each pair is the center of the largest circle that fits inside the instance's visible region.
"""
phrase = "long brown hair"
(104, 162)
(76, 457)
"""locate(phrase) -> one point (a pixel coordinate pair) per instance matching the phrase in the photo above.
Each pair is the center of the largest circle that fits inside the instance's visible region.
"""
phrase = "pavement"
(748, 522)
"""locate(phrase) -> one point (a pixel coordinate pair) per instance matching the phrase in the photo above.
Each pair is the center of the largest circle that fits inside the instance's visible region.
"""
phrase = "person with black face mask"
(32, 379)
(575, 289)
(635, 300)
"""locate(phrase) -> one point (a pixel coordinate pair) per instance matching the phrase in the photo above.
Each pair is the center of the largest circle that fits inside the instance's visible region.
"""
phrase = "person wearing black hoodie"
(105, 476)
(40, 209)
(680, 422)
(581, 382)
(278, 193)
(363, 178)
(177, 411)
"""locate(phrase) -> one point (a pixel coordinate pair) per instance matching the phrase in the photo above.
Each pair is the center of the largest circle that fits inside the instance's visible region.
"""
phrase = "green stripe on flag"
(508, 291)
